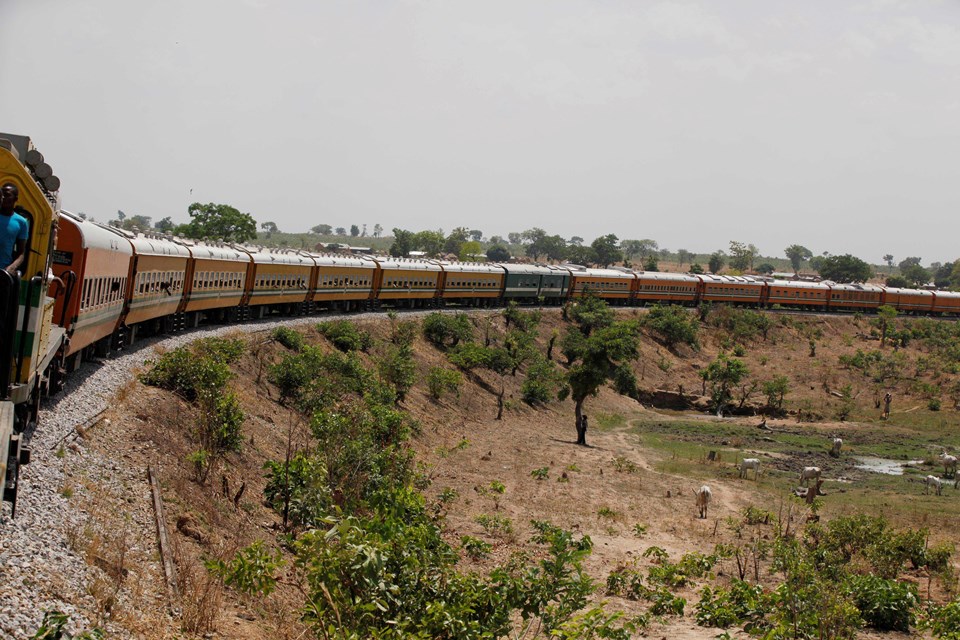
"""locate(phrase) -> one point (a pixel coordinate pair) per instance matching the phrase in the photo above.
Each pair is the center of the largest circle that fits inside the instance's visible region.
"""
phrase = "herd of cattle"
(704, 495)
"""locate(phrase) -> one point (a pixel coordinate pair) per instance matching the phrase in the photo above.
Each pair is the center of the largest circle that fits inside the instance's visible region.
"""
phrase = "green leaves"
(218, 222)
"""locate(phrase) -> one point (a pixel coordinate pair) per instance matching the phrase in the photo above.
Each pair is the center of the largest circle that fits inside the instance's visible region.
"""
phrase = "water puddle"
(884, 465)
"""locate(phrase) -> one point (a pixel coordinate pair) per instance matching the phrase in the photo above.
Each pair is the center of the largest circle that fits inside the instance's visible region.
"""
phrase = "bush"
(441, 380)
(199, 366)
(252, 570)
(289, 338)
(345, 336)
(675, 325)
(945, 622)
(397, 367)
(447, 330)
(885, 605)
(742, 603)
(542, 382)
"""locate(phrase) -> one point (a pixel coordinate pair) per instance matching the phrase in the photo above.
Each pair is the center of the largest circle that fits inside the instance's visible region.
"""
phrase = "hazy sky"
(827, 123)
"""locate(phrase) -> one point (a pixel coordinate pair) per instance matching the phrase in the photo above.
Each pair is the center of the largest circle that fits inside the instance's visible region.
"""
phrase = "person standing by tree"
(14, 230)
(886, 406)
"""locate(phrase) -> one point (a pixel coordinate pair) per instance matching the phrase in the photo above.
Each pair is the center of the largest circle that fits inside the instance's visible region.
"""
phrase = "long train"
(89, 289)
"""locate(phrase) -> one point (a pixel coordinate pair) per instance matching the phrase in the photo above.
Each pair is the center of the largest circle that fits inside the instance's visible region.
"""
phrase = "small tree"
(723, 374)
(884, 320)
(775, 391)
(717, 260)
(797, 253)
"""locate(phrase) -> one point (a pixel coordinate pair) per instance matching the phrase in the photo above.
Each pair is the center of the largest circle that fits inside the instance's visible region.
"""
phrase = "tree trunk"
(553, 339)
(581, 432)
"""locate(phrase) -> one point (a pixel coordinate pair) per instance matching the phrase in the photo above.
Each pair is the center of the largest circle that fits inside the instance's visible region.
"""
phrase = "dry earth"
(603, 490)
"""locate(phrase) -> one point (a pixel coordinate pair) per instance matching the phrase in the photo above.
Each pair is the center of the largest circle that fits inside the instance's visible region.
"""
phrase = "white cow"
(703, 496)
(949, 463)
(932, 481)
(835, 450)
(809, 473)
(747, 464)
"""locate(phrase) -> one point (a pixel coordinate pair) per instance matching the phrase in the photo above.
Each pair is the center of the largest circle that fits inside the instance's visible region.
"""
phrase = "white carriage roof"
(902, 291)
(205, 251)
(607, 273)
(660, 275)
(158, 246)
(266, 256)
(473, 267)
(533, 268)
(341, 260)
(797, 284)
(869, 288)
(97, 236)
(403, 263)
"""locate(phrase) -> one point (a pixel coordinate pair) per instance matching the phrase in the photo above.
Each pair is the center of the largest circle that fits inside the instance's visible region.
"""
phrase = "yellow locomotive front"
(28, 338)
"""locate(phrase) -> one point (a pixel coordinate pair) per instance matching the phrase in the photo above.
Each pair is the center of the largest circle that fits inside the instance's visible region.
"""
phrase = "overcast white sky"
(827, 123)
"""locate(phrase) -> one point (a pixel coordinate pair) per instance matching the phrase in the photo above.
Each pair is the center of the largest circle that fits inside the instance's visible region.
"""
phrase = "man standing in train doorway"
(13, 230)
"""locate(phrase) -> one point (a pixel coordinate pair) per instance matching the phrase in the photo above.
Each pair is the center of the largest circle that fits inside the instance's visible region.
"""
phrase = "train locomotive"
(87, 289)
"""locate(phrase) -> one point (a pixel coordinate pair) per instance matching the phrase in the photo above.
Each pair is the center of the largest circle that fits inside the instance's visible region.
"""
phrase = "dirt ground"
(607, 490)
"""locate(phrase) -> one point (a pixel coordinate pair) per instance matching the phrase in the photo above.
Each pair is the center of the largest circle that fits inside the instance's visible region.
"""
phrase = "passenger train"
(88, 289)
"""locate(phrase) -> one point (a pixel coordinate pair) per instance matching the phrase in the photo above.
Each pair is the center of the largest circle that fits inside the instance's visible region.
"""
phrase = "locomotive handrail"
(9, 288)
(33, 282)
(71, 282)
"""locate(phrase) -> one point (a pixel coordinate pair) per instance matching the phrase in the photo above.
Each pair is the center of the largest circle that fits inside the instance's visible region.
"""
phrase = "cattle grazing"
(809, 473)
(949, 463)
(935, 482)
(703, 496)
(835, 450)
(747, 464)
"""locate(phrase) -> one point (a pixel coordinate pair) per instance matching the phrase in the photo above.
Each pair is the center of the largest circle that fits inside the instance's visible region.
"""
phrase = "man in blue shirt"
(13, 230)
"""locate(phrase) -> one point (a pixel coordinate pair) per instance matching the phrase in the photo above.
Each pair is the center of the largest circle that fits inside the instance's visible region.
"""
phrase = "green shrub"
(885, 605)
(441, 380)
(201, 365)
(445, 330)
(542, 382)
(541, 473)
(475, 548)
(945, 623)
(251, 571)
(289, 338)
(397, 367)
(675, 325)
(724, 608)
(345, 335)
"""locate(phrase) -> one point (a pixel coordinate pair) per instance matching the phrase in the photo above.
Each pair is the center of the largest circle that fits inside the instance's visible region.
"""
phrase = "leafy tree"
(941, 277)
(766, 268)
(639, 248)
(166, 224)
(683, 257)
(576, 241)
(553, 247)
(322, 230)
(742, 255)
(454, 242)
(915, 274)
(403, 243)
(579, 254)
(218, 221)
(884, 320)
(845, 268)
(354, 230)
(651, 264)
(340, 231)
(888, 258)
(717, 258)
(468, 250)
(514, 237)
(607, 249)
(269, 227)
(723, 374)
(590, 313)
(476, 235)
(775, 390)
(897, 281)
(430, 242)
(495, 240)
(604, 351)
(498, 253)
(797, 253)
(696, 267)
(399, 369)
